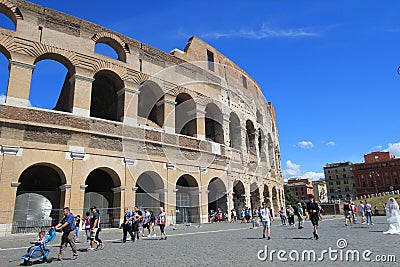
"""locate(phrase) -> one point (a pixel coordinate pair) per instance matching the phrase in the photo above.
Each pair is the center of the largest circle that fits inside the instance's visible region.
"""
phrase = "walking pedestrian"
(313, 211)
(161, 221)
(87, 225)
(282, 214)
(77, 225)
(299, 213)
(368, 213)
(67, 225)
(266, 220)
(127, 227)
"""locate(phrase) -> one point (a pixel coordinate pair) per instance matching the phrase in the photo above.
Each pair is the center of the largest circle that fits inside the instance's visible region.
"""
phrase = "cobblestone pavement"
(225, 244)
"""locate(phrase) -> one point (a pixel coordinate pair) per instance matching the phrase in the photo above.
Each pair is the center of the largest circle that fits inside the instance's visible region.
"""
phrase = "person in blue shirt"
(127, 227)
(67, 226)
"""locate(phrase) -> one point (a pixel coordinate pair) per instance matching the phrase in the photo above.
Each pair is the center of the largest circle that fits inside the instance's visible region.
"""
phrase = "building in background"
(339, 181)
(379, 173)
(300, 187)
(320, 191)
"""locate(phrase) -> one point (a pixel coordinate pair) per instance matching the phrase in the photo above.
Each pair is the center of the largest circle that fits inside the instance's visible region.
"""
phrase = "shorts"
(361, 213)
(314, 220)
(146, 226)
(266, 224)
(162, 228)
(347, 213)
(93, 233)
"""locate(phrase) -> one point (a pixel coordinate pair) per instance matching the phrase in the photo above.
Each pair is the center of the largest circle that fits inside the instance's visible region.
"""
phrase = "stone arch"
(5, 57)
(39, 197)
(106, 100)
(267, 198)
(64, 100)
(99, 192)
(261, 144)
(11, 11)
(259, 117)
(271, 152)
(112, 40)
(213, 124)
(275, 199)
(235, 139)
(250, 136)
(239, 200)
(187, 200)
(150, 190)
(217, 195)
(185, 115)
(150, 104)
(254, 196)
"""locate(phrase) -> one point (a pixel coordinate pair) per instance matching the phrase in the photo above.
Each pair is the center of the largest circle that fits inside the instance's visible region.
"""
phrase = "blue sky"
(329, 67)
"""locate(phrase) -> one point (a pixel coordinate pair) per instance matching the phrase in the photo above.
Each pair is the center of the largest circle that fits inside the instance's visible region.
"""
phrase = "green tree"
(290, 198)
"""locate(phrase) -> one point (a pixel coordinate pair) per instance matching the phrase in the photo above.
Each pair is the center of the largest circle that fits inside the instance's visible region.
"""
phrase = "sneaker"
(162, 238)
(102, 246)
(165, 238)
(75, 255)
(316, 236)
(367, 223)
(263, 235)
(269, 238)
(372, 224)
(154, 235)
(90, 249)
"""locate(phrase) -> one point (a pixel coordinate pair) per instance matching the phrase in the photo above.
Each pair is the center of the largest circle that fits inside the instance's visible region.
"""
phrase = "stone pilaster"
(19, 83)
(82, 94)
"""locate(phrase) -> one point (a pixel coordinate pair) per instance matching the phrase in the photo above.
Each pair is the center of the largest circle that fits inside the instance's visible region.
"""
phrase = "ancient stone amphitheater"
(187, 130)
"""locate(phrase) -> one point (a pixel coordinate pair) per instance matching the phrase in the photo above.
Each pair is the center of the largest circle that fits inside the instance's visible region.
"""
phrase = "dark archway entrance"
(39, 198)
(187, 200)
(99, 193)
(217, 195)
(150, 191)
(239, 200)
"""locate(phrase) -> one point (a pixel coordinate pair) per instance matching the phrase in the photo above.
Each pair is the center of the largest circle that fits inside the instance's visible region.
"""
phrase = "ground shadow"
(253, 238)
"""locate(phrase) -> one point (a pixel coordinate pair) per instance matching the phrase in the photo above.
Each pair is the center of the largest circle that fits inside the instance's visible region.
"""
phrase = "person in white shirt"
(266, 219)
(361, 211)
(368, 212)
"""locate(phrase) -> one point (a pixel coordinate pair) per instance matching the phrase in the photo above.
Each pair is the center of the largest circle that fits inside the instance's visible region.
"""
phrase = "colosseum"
(187, 130)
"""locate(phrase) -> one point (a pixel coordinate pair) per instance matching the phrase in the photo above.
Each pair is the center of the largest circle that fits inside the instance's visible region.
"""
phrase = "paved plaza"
(229, 244)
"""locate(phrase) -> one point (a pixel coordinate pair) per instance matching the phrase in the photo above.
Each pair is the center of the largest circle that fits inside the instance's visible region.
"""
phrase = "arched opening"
(105, 50)
(259, 117)
(217, 195)
(150, 191)
(271, 152)
(39, 198)
(5, 73)
(51, 87)
(213, 124)
(266, 195)
(261, 144)
(7, 18)
(187, 200)
(106, 103)
(239, 200)
(99, 192)
(185, 115)
(150, 105)
(235, 131)
(275, 199)
(250, 136)
(254, 196)
(111, 48)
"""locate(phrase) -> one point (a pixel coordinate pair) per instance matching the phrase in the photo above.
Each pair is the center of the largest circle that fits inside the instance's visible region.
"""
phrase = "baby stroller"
(39, 250)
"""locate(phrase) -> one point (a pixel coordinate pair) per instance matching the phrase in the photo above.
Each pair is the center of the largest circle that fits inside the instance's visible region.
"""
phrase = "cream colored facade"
(189, 131)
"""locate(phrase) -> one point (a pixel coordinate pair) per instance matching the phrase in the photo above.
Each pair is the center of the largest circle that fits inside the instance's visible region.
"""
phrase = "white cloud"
(313, 175)
(377, 148)
(305, 144)
(331, 143)
(394, 149)
(294, 170)
(2, 99)
(262, 33)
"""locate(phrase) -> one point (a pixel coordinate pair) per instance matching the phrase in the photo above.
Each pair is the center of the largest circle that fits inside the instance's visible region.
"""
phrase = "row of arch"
(41, 194)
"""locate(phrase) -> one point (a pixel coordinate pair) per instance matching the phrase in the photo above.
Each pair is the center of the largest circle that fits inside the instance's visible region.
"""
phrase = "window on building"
(354, 185)
(337, 176)
(244, 80)
(330, 178)
(331, 190)
(337, 182)
(386, 174)
(346, 182)
(387, 181)
(347, 189)
(376, 158)
(344, 169)
(394, 173)
(371, 183)
(363, 184)
(210, 60)
(329, 171)
(362, 176)
(396, 181)
(336, 170)
(344, 175)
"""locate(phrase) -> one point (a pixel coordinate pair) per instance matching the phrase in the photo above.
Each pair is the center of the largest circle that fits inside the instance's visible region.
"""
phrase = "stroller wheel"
(44, 260)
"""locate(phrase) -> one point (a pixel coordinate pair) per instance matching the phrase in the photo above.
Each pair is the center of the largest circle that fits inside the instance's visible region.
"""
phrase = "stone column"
(66, 190)
(11, 155)
(170, 194)
(169, 113)
(247, 195)
(131, 97)
(19, 83)
(203, 195)
(229, 202)
(118, 215)
(201, 121)
(82, 94)
(225, 127)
